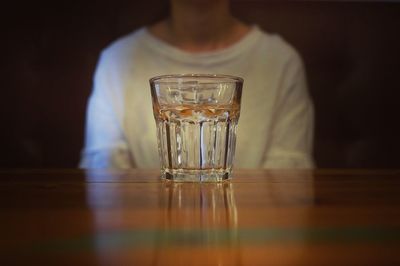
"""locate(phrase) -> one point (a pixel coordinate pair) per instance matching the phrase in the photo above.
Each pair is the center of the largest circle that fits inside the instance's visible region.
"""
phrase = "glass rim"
(228, 78)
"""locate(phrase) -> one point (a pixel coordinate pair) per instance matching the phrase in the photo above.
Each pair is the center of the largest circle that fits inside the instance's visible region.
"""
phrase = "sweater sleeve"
(291, 140)
(105, 144)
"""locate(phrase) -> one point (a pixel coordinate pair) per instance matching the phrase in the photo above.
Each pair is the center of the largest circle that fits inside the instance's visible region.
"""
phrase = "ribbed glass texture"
(196, 117)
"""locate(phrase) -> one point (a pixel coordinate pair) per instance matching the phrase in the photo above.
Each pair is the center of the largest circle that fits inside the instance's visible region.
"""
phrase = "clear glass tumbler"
(196, 117)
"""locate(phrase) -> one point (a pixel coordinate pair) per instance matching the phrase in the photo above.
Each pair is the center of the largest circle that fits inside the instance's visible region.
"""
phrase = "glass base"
(184, 175)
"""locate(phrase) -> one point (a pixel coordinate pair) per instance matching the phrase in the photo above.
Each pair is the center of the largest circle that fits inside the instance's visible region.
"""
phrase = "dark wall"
(351, 52)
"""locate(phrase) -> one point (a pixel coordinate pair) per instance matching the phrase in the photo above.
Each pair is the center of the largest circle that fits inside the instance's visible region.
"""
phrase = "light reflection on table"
(260, 217)
(172, 221)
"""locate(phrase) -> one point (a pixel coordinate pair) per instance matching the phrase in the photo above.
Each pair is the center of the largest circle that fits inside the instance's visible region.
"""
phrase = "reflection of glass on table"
(199, 218)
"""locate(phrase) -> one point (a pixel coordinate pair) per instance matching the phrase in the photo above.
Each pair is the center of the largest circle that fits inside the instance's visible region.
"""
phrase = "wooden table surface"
(281, 217)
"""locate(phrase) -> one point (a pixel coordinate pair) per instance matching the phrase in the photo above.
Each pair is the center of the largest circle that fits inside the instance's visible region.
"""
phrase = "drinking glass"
(196, 117)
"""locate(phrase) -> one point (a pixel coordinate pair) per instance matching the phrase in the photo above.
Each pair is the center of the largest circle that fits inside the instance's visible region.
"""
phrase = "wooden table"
(323, 217)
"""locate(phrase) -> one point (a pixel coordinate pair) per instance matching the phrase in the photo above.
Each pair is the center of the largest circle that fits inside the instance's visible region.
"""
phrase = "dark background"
(350, 49)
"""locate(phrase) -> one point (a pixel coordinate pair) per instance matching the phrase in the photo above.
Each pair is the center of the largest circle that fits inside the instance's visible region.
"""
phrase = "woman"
(276, 122)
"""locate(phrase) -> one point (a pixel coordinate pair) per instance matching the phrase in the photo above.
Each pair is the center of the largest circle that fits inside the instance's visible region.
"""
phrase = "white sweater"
(275, 128)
